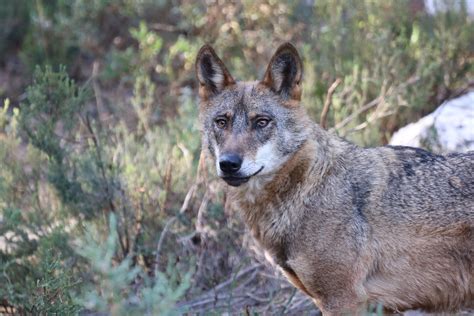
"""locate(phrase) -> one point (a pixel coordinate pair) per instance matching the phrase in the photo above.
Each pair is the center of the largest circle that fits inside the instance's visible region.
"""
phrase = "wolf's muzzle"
(235, 181)
(230, 163)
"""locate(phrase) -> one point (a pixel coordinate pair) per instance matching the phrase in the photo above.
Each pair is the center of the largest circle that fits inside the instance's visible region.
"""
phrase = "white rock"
(435, 6)
(448, 129)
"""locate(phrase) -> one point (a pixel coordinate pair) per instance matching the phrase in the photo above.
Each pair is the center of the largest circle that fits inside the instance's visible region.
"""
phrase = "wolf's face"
(251, 128)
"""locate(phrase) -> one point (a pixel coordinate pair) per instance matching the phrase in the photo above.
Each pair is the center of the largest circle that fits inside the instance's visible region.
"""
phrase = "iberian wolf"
(347, 225)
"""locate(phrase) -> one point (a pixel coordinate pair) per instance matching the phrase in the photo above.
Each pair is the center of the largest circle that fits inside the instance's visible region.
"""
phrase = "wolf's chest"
(276, 256)
(272, 222)
(273, 237)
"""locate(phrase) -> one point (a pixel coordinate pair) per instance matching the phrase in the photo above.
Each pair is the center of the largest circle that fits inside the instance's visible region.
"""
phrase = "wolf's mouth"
(236, 181)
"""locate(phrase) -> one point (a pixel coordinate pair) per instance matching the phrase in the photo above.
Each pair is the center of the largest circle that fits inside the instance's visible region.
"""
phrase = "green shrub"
(35, 257)
(76, 172)
(120, 288)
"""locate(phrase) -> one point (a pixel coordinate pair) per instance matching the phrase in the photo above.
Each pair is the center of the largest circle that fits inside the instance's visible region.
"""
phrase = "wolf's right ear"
(211, 72)
(284, 73)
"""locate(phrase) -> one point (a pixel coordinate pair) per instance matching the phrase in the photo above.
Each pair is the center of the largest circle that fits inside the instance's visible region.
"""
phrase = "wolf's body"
(347, 225)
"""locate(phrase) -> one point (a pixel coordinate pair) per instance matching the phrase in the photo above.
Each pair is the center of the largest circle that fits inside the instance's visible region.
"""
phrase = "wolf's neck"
(270, 205)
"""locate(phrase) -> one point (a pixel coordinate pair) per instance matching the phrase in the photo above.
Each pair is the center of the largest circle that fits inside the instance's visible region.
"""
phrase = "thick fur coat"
(347, 225)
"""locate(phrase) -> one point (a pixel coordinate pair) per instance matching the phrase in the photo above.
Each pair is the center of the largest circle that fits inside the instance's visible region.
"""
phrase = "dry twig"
(99, 104)
(327, 103)
(376, 102)
(184, 207)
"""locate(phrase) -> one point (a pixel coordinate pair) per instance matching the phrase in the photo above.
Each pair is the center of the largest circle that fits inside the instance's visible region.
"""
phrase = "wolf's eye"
(221, 123)
(262, 122)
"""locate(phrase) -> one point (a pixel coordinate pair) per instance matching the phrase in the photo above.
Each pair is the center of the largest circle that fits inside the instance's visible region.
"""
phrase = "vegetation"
(106, 203)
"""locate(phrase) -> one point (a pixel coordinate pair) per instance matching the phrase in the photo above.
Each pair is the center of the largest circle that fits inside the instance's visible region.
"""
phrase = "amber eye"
(263, 122)
(221, 123)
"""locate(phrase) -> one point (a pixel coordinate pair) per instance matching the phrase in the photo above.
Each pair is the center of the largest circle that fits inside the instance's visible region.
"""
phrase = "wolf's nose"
(230, 163)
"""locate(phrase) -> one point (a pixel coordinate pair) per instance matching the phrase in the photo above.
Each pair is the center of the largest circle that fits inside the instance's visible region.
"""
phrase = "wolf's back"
(424, 186)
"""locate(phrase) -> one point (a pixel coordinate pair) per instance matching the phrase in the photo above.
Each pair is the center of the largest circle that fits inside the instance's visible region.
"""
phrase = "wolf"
(347, 225)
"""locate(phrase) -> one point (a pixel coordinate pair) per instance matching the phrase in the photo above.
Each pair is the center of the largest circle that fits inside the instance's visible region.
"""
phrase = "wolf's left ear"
(211, 72)
(284, 73)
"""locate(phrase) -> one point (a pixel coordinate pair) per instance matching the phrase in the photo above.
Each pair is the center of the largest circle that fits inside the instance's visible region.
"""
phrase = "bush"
(77, 173)
(35, 257)
(112, 291)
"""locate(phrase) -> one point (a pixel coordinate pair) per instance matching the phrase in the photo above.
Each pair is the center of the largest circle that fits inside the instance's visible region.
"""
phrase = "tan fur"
(402, 280)
(347, 225)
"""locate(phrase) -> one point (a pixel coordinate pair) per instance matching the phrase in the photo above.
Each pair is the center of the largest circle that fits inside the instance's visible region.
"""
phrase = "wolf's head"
(251, 128)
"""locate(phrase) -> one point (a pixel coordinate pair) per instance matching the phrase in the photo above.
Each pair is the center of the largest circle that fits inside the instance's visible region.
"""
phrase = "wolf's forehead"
(243, 98)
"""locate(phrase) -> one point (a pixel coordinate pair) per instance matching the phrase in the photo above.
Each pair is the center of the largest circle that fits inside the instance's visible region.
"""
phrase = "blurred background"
(107, 206)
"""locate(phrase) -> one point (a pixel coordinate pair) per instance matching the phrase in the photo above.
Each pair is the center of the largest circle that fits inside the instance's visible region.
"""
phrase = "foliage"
(76, 173)
(113, 293)
(105, 202)
(34, 251)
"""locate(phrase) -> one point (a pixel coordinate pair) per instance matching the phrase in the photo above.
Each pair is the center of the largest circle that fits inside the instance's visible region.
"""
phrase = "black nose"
(230, 163)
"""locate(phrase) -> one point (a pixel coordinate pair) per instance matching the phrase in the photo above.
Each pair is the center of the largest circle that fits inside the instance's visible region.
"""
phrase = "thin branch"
(259, 299)
(138, 224)
(99, 104)
(160, 241)
(327, 102)
(184, 207)
(188, 198)
(359, 111)
(200, 214)
(105, 183)
(376, 101)
(161, 27)
(366, 123)
(285, 307)
(211, 295)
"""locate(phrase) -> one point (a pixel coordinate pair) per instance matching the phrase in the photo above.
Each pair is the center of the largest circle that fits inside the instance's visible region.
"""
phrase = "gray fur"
(349, 225)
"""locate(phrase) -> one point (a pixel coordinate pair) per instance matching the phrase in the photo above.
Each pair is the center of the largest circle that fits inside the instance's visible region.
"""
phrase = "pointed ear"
(211, 73)
(284, 73)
